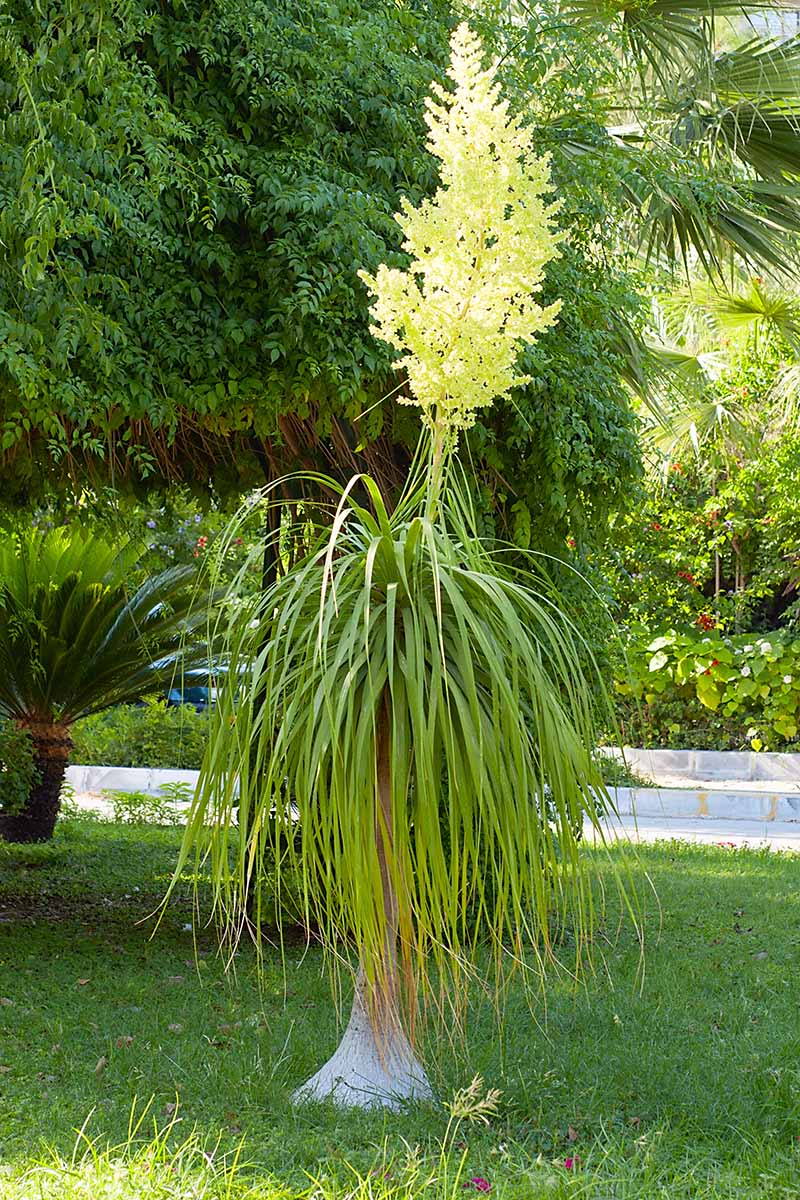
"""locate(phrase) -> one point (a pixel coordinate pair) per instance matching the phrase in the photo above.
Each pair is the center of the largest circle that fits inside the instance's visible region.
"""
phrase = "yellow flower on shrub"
(464, 307)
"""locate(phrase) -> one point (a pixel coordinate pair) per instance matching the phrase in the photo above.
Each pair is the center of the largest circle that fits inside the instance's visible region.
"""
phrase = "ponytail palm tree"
(76, 638)
(404, 692)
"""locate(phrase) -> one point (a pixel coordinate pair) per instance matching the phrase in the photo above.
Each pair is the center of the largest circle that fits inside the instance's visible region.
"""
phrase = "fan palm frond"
(751, 306)
(786, 398)
(664, 38)
(702, 422)
(761, 71)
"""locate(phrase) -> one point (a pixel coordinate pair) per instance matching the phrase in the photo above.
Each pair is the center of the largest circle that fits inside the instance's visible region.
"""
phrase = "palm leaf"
(754, 307)
(761, 71)
(665, 39)
(75, 638)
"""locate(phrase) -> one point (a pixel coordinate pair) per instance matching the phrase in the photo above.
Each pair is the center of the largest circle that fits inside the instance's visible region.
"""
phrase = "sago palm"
(404, 693)
(75, 638)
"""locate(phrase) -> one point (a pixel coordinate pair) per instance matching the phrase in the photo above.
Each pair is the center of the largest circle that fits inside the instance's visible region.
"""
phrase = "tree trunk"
(375, 1065)
(36, 821)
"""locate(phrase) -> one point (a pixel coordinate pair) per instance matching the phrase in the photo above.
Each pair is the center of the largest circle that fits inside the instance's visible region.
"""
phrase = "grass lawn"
(687, 1087)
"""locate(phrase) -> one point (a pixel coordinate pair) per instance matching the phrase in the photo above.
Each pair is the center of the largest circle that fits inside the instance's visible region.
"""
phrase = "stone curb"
(714, 805)
(711, 764)
(642, 802)
(127, 779)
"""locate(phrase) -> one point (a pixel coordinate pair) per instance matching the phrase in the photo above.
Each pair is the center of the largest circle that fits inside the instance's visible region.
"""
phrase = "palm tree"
(703, 141)
(404, 692)
(75, 638)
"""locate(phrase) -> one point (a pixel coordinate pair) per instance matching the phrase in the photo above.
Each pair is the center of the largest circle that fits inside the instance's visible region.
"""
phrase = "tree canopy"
(187, 191)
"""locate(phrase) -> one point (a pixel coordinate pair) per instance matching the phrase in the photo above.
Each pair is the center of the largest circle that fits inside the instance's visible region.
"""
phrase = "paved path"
(778, 835)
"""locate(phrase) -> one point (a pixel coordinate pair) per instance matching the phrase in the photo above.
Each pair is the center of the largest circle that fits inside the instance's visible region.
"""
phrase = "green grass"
(686, 1087)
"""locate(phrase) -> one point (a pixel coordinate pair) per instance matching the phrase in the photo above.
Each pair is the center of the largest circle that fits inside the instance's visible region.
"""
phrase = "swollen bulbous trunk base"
(372, 1068)
(36, 820)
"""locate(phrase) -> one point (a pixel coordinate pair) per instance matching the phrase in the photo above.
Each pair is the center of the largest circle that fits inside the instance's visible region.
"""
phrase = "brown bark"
(384, 996)
(36, 821)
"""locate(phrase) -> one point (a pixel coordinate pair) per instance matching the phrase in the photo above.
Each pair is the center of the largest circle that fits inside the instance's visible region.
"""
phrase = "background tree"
(188, 191)
(76, 638)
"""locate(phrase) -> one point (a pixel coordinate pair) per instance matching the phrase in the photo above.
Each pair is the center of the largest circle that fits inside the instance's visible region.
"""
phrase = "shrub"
(151, 735)
(140, 808)
(17, 768)
(738, 691)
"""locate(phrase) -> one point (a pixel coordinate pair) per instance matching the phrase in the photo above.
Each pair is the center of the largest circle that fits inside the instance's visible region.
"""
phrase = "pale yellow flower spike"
(478, 247)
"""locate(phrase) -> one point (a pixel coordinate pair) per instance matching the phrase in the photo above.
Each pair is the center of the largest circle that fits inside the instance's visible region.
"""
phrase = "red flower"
(677, 467)
(479, 1183)
(571, 543)
(655, 525)
(571, 1163)
(238, 541)
(202, 542)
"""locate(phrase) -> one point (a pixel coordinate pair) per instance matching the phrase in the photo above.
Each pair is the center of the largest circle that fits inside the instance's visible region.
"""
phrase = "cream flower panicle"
(464, 308)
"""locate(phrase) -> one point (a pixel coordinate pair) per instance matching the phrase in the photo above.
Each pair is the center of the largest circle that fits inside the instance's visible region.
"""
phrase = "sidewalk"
(777, 835)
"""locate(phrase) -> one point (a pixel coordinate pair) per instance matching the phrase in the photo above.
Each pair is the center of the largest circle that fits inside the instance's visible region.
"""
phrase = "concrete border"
(713, 805)
(127, 779)
(641, 802)
(711, 764)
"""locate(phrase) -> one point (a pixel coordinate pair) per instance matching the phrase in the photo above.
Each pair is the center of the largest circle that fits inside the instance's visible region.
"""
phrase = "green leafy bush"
(141, 808)
(17, 768)
(739, 691)
(152, 735)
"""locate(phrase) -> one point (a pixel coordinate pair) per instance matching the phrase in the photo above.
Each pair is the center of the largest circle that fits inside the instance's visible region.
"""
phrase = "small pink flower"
(479, 1183)
(570, 1164)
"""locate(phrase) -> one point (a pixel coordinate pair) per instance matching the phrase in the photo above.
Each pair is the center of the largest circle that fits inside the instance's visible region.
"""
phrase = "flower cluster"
(478, 247)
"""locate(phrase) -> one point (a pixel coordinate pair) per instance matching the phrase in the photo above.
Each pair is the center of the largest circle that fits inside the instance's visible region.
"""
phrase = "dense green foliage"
(751, 684)
(188, 191)
(187, 194)
(709, 561)
(17, 766)
(724, 557)
(678, 1083)
(153, 735)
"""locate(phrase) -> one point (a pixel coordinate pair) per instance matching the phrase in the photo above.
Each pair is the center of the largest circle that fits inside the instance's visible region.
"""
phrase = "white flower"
(765, 647)
(464, 307)
(787, 679)
(706, 641)
(738, 650)
(254, 624)
(745, 671)
(747, 649)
